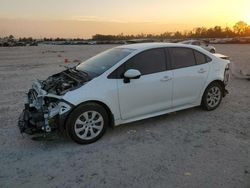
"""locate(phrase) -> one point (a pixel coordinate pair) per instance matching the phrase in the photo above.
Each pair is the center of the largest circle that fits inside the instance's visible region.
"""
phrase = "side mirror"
(131, 74)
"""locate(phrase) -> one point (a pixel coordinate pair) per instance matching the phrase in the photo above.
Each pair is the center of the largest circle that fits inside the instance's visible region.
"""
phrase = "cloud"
(95, 19)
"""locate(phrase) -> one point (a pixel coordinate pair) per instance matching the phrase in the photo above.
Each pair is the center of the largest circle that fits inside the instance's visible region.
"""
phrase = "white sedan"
(203, 44)
(124, 84)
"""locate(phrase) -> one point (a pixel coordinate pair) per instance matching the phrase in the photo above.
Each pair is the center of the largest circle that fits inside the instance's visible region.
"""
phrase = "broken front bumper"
(23, 122)
(43, 112)
(32, 121)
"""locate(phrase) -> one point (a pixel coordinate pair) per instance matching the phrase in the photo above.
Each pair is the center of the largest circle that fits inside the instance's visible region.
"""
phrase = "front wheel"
(87, 123)
(212, 96)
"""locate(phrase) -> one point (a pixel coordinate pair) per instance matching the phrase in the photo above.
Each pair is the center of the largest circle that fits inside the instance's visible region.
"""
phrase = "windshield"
(103, 61)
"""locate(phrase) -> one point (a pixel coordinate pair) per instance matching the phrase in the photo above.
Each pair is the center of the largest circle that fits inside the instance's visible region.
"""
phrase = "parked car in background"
(204, 44)
(122, 85)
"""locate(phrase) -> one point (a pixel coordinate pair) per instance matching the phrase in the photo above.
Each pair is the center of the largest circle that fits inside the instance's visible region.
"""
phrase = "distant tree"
(61, 39)
(178, 35)
(247, 31)
(11, 38)
(165, 35)
(47, 39)
(240, 27)
(30, 39)
(200, 32)
(149, 36)
(228, 32)
(218, 31)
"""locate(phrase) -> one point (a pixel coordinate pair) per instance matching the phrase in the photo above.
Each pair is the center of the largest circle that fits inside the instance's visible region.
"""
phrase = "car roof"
(191, 40)
(145, 46)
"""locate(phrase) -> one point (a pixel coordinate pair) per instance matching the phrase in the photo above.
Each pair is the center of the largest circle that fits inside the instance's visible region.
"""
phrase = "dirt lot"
(190, 148)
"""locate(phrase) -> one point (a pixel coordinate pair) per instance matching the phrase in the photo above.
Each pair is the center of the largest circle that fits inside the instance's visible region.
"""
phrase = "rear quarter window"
(201, 58)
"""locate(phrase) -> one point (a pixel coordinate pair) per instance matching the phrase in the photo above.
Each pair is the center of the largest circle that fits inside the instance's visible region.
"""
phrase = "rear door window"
(181, 57)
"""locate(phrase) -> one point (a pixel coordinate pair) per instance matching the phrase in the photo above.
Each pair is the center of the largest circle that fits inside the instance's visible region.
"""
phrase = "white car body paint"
(153, 94)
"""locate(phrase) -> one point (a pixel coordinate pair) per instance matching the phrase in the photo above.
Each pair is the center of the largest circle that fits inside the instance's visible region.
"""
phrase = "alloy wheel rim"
(89, 125)
(213, 96)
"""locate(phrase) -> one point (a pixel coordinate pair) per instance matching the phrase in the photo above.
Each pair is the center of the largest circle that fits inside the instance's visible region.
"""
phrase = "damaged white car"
(125, 84)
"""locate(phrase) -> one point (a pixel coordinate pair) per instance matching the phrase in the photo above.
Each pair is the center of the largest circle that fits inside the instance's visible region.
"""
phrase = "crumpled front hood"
(60, 83)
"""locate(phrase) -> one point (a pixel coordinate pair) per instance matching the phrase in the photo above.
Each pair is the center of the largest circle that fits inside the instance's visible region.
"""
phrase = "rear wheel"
(87, 123)
(212, 51)
(212, 96)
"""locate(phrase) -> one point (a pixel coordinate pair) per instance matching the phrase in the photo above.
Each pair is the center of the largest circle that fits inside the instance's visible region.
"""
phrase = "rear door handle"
(166, 78)
(202, 71)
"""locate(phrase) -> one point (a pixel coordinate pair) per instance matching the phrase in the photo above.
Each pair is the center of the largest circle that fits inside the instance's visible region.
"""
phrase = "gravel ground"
(190, 148)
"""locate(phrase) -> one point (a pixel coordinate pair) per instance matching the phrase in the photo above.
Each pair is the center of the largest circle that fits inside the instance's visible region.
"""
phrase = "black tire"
(207, 98)
(80, 112)
(212, 51)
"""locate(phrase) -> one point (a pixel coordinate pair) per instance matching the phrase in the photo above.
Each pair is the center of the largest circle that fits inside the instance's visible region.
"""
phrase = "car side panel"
(188, 84)
(216, 73)
(148, 94)
(100, 89)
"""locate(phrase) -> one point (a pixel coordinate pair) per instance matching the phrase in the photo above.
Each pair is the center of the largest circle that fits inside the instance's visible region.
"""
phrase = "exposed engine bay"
(62, 82)
(45, 109)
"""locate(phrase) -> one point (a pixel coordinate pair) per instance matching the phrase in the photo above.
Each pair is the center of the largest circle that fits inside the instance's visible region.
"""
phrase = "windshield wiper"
(73, 69)
(84, 73)
(66, 67)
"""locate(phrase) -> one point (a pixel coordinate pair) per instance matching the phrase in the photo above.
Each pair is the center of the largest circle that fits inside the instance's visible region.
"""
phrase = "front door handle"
(166, 78)
(202, 71)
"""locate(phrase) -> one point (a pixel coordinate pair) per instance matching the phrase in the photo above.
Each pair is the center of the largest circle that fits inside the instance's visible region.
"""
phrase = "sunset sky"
(84, 18)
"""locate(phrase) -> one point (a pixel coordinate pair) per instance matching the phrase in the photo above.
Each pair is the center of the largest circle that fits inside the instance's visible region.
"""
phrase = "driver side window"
(148, 62)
